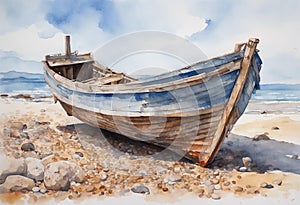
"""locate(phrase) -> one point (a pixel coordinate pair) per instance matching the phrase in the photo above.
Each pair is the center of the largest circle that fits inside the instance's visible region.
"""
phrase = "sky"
(33, 28)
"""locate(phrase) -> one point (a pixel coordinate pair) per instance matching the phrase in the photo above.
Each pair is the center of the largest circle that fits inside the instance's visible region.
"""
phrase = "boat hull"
(188, 111)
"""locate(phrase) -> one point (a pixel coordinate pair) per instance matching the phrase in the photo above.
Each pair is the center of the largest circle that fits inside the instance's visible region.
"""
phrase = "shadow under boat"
(267, 155)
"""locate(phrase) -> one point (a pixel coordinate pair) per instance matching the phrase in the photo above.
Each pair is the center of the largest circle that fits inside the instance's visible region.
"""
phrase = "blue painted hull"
(181, 110)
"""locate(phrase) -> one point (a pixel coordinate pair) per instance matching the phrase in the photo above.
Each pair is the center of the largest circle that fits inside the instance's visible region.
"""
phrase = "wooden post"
(68, 46)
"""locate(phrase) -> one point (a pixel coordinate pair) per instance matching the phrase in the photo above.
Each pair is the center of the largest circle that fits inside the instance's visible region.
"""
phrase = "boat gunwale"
(136, 88)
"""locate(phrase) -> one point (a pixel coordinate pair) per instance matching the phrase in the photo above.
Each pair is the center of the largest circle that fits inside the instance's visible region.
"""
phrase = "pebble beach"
(47, 156)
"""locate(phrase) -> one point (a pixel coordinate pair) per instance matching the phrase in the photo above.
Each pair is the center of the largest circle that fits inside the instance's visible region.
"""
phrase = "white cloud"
(27, 43)
(161, 15)
(25, 28)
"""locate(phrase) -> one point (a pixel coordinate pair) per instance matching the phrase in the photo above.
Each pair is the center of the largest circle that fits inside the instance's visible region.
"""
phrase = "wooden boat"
(190, 110)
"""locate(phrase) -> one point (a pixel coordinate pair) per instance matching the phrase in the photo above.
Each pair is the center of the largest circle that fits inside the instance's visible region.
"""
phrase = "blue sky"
(32, 28)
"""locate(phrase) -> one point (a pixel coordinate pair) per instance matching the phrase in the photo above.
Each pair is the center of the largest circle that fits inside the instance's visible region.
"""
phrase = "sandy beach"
(267, 133)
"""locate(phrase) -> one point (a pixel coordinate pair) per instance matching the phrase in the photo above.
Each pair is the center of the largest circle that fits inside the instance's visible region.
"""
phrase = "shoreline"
(235, 147)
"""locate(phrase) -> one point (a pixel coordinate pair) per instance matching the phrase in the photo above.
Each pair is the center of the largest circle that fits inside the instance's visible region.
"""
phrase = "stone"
(161, 170)
(48, 159)
(266, 186)
(209, 189)
(140, 189)
(18, 141)
(14, 134)
(215, 181)
(35, 168)
(177, 169)
(91, 167)
(208, 182)
(90, 188)
(243, 169)
(238, 189)
(275, 128)
(80, 154)
(58, 175)
(18, 126)
(36, 189)
(277, 182)
(74, 137)
(22, 96)
(25, 135)
(103, 177)
(261, 137)
(27, 147)
(247, 161)
(172, 178)
(11, 166)
(17, 183)
(143, 172)
(105, 169)
(43, 190)
(215, 196)
(217, 187)
(226, 183)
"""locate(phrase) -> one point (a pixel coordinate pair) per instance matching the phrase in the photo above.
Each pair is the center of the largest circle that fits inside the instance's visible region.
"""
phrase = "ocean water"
(13, 83)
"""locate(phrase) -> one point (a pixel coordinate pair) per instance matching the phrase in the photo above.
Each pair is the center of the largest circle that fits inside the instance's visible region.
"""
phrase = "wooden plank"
(226, 120)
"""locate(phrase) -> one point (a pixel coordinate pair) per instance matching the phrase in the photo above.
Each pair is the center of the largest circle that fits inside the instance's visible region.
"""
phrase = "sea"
(14, 83)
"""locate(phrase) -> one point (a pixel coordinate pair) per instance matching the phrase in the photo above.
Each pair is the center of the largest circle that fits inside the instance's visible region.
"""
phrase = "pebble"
(238, 189)
(90, 188)
(16, 183)
(143, 172)
(247, 161)
(11, 166)
(261, 137)
(80, 154)
(105, 169)
(25, 135)
(74, 137)
(58, 175)
(90, 167)
(217, 187)
(18, 141)
(277, 182)
(208, 183)
(177, 169)
(226, 183)
(215, 196)
(75, 156)
(209, 189)
(140, 189)
(43, 190)
(36, 189)
(243, 169)
(161, 170)
(172, 178)
(103, 177)
(266, 185)
(27, 147)
(35, 169)
(275, 128)
(215, 181)
(18, 126)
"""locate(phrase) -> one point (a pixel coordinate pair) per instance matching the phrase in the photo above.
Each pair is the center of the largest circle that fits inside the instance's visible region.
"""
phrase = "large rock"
(58, 175)
(11, 166)
(35, 169)
(16, 183)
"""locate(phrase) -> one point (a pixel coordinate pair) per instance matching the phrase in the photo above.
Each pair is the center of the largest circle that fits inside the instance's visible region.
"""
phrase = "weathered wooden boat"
(190, 110)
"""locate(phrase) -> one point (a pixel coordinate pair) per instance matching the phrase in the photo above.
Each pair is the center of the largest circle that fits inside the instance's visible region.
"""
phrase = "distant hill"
(14, 75)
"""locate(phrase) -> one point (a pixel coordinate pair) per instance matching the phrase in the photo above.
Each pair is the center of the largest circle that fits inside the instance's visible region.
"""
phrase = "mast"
(68, 47)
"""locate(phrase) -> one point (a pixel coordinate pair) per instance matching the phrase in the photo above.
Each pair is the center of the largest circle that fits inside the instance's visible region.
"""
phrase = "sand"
(285, 116)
